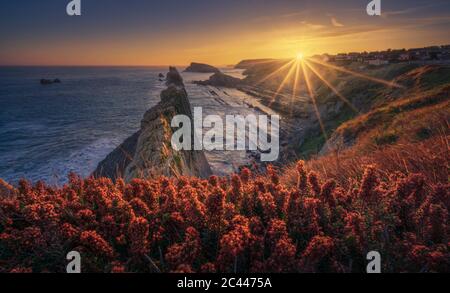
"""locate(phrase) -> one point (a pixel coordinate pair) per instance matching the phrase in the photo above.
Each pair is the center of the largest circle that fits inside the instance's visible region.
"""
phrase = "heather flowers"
(242, 223)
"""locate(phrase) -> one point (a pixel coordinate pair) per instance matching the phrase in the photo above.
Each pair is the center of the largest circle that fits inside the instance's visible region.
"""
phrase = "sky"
(218, 32)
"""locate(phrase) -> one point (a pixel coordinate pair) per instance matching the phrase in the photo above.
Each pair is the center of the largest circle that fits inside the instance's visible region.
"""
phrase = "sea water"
(47, 131)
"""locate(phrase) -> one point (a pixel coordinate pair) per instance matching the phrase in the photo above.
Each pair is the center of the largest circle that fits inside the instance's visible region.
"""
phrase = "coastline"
(149, 152)
(214, 101)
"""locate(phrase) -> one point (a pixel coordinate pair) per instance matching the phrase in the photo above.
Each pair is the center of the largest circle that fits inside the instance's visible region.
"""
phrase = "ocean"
(47, 131)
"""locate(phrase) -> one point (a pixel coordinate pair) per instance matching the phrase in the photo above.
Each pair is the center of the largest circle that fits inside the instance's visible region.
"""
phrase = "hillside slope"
(410, 104)
(416, 116)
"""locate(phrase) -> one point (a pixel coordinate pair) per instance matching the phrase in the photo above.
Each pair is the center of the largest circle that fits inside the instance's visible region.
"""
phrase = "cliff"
(149, 152)
(201, 68)
(246, 64)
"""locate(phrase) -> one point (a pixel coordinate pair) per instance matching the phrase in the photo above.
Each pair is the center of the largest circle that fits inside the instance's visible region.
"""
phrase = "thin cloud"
(400, 12)
(410, 10)
(313, 26)
(335, 22)
(285, 16)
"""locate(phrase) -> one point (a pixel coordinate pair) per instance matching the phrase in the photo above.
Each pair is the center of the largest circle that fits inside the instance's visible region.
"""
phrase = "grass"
(430, 157)
(425, 87)
(403, 118)
(386, 138)
(311, 146)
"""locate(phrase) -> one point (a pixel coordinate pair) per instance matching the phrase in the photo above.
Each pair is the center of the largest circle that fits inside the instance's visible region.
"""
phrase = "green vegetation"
(385, 138)
(424, 133)
(312, 145)
(390, 115)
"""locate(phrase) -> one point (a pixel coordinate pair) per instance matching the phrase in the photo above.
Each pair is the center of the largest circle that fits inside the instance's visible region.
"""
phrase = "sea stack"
(201, 68)
(149, 151)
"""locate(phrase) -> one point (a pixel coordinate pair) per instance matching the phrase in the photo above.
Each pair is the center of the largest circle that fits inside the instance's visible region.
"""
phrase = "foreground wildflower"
(245, 223)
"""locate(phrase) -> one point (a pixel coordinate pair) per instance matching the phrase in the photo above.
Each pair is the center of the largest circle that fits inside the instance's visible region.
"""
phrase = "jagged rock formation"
(201, 68)
(114, 165)
(149, 151)
(220, 79)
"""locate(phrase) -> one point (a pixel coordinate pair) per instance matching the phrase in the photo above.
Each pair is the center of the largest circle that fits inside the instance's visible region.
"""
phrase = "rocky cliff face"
(149, 152)
(246, 64)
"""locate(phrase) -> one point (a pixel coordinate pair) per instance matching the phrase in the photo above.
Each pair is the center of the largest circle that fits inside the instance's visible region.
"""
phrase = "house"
(341, 57)
(405, 57)
(378, 62)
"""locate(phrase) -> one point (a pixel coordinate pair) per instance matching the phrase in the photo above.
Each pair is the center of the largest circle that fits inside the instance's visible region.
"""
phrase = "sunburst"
(302, 66)
(357, 74)
(279, 70)
(313, 99)
(331, 87)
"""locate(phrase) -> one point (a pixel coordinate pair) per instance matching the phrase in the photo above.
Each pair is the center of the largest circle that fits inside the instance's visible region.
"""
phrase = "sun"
(298, 71)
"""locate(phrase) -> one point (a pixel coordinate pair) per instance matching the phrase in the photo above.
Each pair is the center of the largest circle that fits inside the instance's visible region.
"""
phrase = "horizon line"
(221, 65)
(85, 65)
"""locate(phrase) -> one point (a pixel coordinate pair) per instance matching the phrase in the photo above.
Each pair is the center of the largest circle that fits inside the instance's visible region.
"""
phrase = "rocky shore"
(149, 152)
(297, 119)
(222, 80)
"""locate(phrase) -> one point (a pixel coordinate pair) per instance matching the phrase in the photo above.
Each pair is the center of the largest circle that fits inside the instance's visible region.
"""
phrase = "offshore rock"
(201, 68)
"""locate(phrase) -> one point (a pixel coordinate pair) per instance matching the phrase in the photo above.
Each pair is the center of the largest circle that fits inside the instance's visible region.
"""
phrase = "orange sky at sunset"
(278, 34)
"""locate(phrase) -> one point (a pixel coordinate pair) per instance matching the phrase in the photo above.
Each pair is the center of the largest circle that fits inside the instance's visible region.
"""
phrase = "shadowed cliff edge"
(149, 152)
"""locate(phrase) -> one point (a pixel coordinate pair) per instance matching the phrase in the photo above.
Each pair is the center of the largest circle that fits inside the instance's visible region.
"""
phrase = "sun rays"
(313, 99)
(301, 69)
(331, 87)
(279, 70)
(295, 86)
(357, 74)
(283, 83)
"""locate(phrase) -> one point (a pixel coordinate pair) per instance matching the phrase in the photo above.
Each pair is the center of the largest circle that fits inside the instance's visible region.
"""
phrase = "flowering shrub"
(245, 223)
